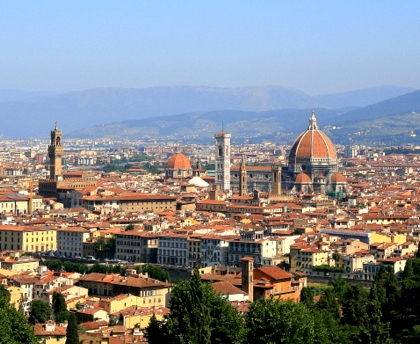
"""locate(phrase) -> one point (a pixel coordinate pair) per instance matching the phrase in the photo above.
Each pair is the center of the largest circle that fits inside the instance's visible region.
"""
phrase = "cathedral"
(312, 167)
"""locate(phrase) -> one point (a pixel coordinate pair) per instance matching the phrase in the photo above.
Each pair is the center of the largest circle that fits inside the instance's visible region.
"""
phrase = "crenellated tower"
(55, 153)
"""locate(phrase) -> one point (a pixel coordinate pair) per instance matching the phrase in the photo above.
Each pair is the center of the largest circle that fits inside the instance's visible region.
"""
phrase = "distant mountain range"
(193, 112)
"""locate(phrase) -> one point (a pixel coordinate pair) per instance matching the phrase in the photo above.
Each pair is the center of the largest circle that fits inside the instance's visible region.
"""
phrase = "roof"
(312, 143)
(226, 288)
(337, 177)
(178, 161)
(302, 178)
(275, 272)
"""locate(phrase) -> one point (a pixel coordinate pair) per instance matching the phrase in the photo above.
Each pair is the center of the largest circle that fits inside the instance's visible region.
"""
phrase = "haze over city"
(314, 46)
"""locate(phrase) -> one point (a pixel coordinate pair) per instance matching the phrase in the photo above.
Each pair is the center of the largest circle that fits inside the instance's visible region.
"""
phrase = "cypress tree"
(72, 330)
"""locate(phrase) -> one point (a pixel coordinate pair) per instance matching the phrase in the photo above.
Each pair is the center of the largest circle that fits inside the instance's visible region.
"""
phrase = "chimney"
(247, 264)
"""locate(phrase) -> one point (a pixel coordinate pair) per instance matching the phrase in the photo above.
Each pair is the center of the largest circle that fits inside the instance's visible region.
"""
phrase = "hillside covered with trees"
(388, 312)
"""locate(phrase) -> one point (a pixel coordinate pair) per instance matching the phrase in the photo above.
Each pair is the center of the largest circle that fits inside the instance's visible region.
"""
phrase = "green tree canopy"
(198, 315)
(72, 330)
(274, 321)
(40, 312)
(14, 327)
(59, 307)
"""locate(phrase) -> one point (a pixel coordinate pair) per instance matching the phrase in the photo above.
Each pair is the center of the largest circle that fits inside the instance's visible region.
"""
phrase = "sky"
(314, 46)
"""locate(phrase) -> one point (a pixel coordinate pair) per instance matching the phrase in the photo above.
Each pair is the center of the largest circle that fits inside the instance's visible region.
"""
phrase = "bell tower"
(243, 181)
(276, 180)
(223, 160)
(55, 153)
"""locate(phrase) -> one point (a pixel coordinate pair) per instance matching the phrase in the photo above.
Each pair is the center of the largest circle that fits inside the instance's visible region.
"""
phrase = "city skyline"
(316, 47)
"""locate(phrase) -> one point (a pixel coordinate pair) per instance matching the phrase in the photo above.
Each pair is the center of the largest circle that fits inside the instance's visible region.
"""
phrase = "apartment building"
(27, 239)
(70, 241)
(136, 246)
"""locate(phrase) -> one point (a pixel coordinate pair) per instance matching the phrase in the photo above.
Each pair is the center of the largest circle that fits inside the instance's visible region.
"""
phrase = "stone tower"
(223, 160)
(55, 153)
(243, 181)
(247, 269)
(276, 180)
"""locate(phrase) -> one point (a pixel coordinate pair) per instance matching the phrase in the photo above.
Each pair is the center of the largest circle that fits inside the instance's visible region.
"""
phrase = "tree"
(340, 287)
(130, 227)
(307, 297)
(154, 331)
(189, 319)
(72, 330)
(40, 312)
(354, 304)
(105, 247)
(408, 270)
(199, 316)
(14, 327)
(328, 303)
(374, 331)
(154, 272)
(59, 307)
(274, 321)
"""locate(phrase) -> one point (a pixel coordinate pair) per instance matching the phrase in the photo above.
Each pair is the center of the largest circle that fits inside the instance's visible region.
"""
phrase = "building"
(27, 239)
(313, 163)
(59, 185)
(70, 241)
(173, 249)
(148, 289)
(50, 332)
(129, 202)
(222, 164)
(178, 167)
(136, 246)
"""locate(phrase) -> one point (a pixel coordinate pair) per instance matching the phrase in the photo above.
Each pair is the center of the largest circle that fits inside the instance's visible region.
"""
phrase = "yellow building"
(129, 202)
(50, 333)
(140, 318)
(123, 301)
(27, 239)
(19, 204)
(19, 263)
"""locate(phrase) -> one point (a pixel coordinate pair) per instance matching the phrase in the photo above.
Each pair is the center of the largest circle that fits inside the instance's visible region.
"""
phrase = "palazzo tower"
(55, 153)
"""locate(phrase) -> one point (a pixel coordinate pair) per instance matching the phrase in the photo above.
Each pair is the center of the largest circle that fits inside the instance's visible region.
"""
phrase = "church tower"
(223, 160)
(55, 153)
(276, 180)
(243, 181)
(247, 269)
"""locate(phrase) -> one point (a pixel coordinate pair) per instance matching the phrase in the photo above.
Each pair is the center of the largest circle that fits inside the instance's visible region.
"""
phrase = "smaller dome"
(197, 181)
(320, 176)
(337, 177)
(303, 178)
(178, 161)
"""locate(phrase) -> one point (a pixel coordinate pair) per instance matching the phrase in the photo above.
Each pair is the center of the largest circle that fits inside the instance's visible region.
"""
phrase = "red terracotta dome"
(178, 161)
(303, 178)
(313, 143)
(337, 177)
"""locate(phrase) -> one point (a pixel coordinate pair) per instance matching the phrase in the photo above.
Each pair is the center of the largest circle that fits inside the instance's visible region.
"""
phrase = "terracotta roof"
(178, 161)
(275, 272)
(313, 143)
(303, 178)
(226, 288)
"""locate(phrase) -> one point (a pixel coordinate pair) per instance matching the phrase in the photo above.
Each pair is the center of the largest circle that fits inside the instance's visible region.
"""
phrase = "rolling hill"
(26, 115)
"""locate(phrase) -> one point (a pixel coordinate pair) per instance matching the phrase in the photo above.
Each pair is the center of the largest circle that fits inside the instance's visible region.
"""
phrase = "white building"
(70, 241)
(173, 250)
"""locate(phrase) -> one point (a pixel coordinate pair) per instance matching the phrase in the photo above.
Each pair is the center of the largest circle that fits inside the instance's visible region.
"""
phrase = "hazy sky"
(315, 46)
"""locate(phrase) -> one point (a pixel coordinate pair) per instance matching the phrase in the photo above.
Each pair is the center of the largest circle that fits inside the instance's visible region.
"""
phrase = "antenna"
(222, 126)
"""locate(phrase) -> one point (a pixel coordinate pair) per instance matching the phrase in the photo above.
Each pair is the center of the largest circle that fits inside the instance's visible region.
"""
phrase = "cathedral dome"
(312, 144)
(303, 178)
(179, 161)
(337, 178)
